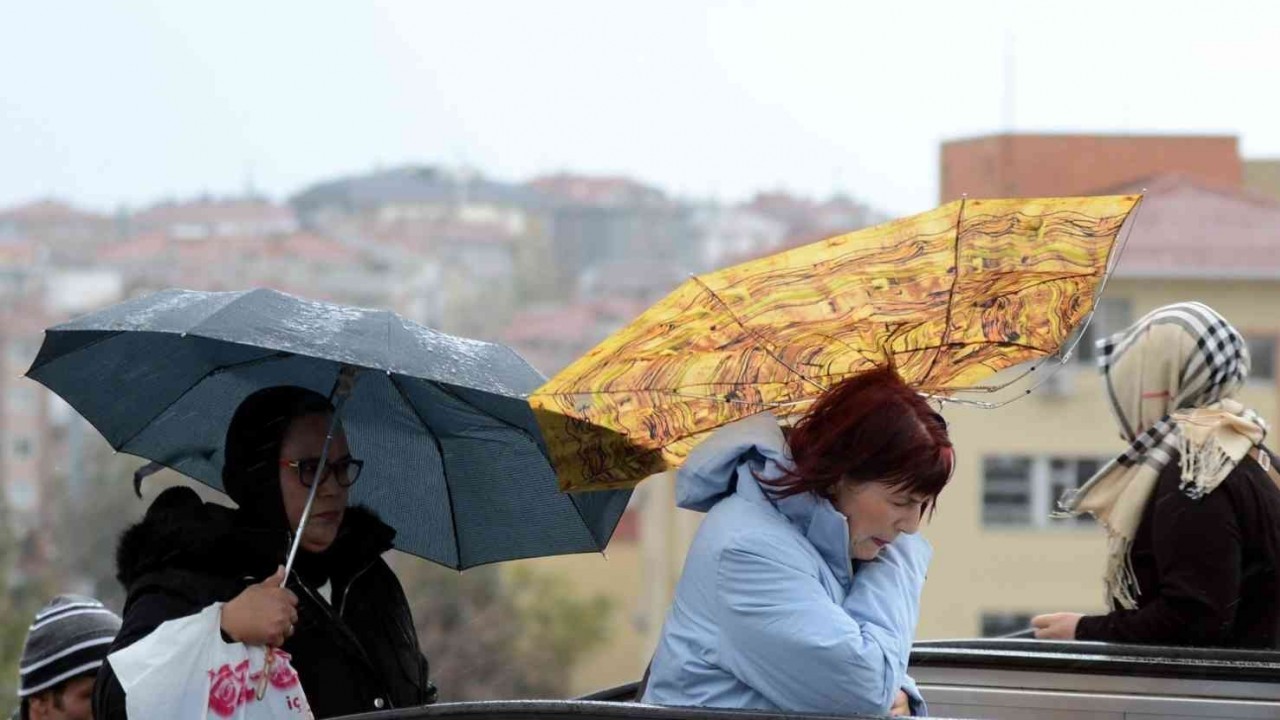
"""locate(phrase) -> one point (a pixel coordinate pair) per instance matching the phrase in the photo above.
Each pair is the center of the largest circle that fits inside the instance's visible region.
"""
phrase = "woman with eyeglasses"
(343, 617)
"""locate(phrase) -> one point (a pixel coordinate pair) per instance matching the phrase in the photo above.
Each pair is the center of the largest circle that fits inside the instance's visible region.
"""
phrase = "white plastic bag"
(184, 670)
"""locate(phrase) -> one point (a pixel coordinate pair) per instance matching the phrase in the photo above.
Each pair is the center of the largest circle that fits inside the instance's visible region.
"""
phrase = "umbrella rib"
(524, 432)
(391, 318)
(755, 335)
(279, 355)
(586, 525)
(951, 295)
(517, 428)
(1002, 343)
(444, 468)
(108, 334)
(615, 391)
(1038, 283)
(192, 329)
(445, 389)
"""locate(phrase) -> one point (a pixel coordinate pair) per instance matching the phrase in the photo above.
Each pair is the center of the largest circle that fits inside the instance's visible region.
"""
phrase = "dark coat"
(1208, 569)
(359, 653)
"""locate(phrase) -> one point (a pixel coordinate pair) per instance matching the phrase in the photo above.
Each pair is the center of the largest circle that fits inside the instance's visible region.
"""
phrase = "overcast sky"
(104, 102)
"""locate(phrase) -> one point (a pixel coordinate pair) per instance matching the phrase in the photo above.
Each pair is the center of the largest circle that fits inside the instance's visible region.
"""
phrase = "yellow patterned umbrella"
(948, 297)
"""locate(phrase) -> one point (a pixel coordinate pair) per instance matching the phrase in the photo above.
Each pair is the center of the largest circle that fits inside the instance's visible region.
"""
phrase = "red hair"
(868, 428)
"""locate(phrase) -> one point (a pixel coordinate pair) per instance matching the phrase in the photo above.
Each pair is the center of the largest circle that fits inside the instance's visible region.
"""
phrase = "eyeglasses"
(344, 471)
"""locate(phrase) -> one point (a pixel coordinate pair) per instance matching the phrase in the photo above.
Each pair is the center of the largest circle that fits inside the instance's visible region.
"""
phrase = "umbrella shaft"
(306, 511)
(341, 390)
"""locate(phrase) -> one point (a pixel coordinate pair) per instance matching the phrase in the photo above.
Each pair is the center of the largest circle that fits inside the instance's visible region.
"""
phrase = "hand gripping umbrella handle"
(341, 391)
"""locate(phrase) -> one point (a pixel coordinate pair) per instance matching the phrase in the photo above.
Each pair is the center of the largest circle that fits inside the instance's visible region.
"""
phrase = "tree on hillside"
(22, 597)
(88, 520)
(492, 635)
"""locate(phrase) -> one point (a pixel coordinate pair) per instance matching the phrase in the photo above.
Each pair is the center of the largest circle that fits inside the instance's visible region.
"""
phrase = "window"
(1110, 316)
(999, 624)
(1024, 490)
(1006, 490)
(1262, 353)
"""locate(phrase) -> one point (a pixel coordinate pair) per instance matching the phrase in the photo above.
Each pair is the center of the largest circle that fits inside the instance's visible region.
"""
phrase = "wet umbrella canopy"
(453, 457)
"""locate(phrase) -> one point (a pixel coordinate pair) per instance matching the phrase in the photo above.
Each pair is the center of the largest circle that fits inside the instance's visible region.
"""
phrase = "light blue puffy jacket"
(769, 613)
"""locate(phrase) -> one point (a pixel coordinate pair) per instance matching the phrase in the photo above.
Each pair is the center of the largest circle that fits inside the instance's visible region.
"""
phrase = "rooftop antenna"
(1010, 81)
(1007, 185)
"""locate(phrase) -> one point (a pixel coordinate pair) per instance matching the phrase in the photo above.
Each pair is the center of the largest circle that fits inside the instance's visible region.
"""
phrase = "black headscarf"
(251, 476)
(182, 531)
(250, 470)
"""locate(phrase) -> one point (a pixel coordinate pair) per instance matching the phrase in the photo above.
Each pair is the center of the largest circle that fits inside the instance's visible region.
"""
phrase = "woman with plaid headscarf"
(1192, 507)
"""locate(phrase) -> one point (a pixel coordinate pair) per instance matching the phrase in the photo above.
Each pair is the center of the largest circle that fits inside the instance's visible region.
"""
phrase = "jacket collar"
(734, 458)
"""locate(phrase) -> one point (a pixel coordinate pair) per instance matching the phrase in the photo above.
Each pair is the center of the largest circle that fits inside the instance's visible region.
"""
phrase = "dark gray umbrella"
(453, 457)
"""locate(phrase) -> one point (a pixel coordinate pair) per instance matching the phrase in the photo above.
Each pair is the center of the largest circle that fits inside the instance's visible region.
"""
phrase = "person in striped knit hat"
(66, 644)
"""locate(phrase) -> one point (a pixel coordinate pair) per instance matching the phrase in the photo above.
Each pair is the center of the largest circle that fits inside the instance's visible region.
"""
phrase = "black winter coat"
(355, 654)
(1208, 569)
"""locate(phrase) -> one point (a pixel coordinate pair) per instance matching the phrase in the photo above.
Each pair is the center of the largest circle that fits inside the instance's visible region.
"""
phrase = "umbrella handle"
(341, 391)
(268, 660)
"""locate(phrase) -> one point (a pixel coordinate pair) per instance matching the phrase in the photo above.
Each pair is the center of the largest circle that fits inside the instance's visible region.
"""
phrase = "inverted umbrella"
(947, 297)
(453, 457)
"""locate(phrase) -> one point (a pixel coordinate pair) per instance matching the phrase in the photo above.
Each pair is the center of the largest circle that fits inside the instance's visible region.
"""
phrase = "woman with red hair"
(801, 590)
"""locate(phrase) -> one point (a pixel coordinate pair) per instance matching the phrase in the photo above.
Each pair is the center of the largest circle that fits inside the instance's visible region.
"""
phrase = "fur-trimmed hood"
(180, 531)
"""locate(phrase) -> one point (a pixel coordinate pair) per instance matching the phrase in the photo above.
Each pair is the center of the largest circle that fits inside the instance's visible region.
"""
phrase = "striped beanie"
(70, 637)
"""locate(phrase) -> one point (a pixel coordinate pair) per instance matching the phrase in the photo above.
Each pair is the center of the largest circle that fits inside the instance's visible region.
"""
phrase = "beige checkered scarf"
(1171, 378)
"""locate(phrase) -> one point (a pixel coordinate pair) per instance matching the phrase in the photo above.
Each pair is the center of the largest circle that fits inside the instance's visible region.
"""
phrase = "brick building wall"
(1049, 165)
